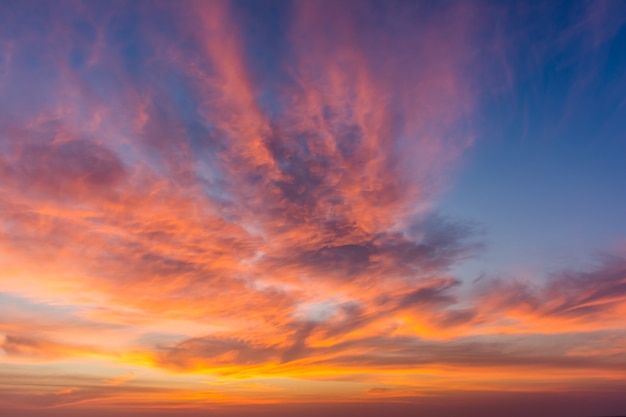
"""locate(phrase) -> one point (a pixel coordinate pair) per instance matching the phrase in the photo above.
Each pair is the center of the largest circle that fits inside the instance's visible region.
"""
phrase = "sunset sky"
(312, 208)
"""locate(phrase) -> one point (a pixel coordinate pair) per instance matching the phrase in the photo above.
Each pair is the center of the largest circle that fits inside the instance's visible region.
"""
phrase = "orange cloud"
(121, 379)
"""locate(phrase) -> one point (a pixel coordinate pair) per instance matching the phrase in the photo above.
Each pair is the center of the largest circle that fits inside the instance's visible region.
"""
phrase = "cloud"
(215, 351)
(74, 169)
(196, 187)
(351, 335)
(177, 192)
(33, 347)
(121, 379)
(432, 294)
(583, 298)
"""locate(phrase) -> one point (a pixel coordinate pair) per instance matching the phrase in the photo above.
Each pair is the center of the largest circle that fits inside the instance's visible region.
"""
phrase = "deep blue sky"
(546, 177)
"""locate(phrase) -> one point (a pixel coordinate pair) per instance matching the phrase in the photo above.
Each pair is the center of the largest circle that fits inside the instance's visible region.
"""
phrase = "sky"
(312, 207)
